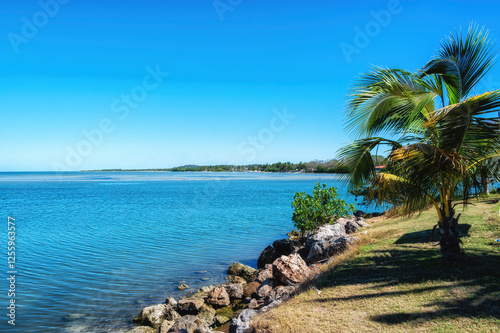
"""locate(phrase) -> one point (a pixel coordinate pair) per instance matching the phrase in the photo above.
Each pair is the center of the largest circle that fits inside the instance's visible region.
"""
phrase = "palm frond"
(357, 157)
(462, 61)
(387, 100)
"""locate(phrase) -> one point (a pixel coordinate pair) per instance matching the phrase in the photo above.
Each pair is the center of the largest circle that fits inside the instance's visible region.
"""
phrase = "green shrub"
(311, 212)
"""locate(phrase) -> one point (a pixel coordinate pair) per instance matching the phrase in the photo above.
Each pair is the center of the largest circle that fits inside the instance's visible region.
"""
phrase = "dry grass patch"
(394, 280)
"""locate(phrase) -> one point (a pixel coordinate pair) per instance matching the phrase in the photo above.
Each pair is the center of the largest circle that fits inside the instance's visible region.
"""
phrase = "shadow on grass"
(429, 236)
(478, 272)
(483, 303)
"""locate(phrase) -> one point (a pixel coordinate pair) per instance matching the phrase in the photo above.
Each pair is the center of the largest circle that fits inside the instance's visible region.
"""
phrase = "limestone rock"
(171, 302)
(351, 227)
(329, 232)
(290, 270)
(218, 297)
(267, 257)
(255, 304)
(232, 279)
(250, 289)
(142, 329)
(340, 245)
(266, 287)
(172, 315)
(152, 315)
(316, 252)
(264, 273)
(235, 291)
(281, 293)
(207, 314)
(182, 286)
(270, 306)
(342, 221)
(166, 325)
(264, 290)
(244, 271)
(202, 292)
(190, 306)
(190, 323)
(241, 324)
(362, 223)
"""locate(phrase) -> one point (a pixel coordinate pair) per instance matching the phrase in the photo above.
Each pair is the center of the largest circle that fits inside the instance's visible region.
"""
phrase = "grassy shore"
(394, 280)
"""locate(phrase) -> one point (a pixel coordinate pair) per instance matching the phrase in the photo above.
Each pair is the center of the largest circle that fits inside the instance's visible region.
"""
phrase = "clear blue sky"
(248, 81)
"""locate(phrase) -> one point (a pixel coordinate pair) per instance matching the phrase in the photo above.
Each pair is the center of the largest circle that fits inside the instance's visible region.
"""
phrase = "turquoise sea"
(92, 249)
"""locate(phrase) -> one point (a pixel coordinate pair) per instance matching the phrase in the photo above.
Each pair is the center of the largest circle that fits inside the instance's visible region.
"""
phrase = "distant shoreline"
(332, 166)
(161, 170)
(168, 170)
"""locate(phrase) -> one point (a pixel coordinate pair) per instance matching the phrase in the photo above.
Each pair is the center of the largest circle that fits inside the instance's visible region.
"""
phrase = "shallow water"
(94, 248)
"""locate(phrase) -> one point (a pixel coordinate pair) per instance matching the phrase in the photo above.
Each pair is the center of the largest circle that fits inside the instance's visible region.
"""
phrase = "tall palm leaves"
(461, 62)
(439, 134)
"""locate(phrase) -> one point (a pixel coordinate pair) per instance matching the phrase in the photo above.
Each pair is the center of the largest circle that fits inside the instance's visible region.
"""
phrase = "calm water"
(94, 248)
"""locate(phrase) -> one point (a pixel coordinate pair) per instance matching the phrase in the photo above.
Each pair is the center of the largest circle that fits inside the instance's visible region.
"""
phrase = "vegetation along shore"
(283, 269)
(383, 276)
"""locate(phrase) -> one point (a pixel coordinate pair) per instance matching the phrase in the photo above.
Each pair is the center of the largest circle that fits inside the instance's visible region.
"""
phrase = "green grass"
(396, 281)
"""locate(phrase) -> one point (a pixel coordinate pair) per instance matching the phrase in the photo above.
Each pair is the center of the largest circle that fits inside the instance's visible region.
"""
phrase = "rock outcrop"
(152, 315)
(291, 270)
(241, 324)
(190, 306)
(244, 271)
(250, 289)
(281, 247)
(264, 273)
(218, 297)
(266, 257)
(328, 232)
(283, 267)
(235, 291)
(191, 324)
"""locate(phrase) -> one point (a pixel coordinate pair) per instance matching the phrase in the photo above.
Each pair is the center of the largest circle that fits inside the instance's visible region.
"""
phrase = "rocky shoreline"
(282, 269)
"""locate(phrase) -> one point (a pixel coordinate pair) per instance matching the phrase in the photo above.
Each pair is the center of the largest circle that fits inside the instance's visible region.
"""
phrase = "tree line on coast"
(317, 166)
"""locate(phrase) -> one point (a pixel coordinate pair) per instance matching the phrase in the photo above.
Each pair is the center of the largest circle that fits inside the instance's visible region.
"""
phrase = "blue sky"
(151, 84)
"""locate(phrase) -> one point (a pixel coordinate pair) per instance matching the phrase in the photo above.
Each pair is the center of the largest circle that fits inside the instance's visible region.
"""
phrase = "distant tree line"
(331, 166)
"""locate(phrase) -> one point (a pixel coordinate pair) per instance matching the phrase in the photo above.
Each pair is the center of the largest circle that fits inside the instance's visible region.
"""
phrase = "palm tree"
(440, 134)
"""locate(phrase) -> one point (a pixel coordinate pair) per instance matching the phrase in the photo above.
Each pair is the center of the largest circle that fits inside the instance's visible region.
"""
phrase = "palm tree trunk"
(485, 183)
(450, 238)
